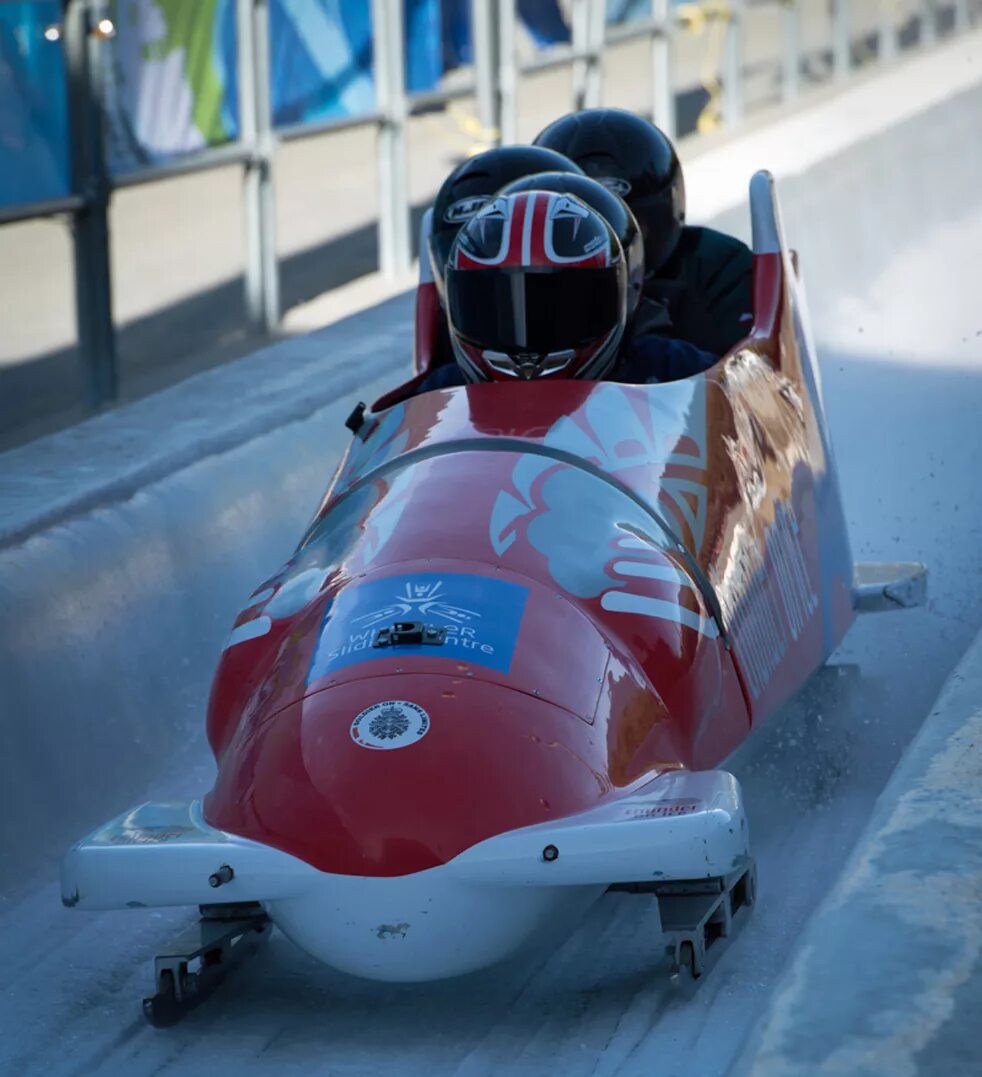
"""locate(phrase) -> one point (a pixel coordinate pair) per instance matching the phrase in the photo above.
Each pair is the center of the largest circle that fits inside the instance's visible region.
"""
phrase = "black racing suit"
(707, 289)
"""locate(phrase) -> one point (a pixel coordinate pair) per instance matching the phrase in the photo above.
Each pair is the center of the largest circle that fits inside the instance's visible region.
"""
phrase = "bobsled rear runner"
(497, 676)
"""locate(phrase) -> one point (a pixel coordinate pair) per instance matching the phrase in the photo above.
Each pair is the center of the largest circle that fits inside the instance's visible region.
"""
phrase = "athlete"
(538, 285)
(650, 351)
(700, 279)
(464, 192)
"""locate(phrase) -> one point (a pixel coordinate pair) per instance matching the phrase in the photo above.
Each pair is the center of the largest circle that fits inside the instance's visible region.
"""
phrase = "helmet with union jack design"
(537, 286)
(610, 206)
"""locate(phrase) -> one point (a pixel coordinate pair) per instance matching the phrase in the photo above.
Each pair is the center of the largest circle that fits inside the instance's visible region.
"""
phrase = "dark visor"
(521, 310)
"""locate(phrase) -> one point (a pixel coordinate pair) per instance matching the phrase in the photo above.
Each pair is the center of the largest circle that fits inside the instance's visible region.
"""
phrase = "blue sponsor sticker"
(481, 616)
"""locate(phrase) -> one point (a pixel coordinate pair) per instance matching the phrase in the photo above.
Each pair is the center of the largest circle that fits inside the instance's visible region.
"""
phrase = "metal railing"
(86, 31)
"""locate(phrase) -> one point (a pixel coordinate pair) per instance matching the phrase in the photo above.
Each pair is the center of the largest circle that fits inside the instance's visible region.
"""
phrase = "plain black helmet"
(634, 158)
(610, 206)
(472, 183)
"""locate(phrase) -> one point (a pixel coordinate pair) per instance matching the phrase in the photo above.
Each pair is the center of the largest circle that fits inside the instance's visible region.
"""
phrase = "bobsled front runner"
(493, 680)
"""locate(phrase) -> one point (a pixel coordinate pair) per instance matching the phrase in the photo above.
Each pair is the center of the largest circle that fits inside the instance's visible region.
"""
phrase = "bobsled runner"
(499, 674)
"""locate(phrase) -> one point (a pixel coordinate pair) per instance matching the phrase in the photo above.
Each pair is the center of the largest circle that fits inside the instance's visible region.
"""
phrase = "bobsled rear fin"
(769, 265)
(765, 215)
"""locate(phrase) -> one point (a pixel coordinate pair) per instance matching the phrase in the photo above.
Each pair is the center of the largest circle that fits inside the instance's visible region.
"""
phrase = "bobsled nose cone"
(396, 774)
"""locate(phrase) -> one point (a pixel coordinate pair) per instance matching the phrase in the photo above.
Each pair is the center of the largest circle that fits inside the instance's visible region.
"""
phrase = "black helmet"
(634, 158)
(472, 183)
(536, 287)
(610, 206)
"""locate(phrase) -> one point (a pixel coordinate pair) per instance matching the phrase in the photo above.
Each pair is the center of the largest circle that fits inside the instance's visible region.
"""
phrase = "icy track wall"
(903, 918)
(127, 547)
(128, 544)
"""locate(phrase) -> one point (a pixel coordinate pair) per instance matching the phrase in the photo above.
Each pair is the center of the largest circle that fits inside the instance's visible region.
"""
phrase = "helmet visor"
(523, 310)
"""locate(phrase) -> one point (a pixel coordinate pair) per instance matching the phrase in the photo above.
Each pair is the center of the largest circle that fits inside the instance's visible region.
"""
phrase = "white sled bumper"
(166, 854)
(684, 825)
(470, 912)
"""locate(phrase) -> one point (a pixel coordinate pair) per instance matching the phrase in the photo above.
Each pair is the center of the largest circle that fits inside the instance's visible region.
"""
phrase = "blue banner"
(322, 56)
(172, 81)
(321, 59)
(34, 158)
(543, 19)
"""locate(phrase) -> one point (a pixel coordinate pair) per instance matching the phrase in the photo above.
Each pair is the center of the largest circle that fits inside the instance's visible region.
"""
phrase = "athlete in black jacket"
(700, 279)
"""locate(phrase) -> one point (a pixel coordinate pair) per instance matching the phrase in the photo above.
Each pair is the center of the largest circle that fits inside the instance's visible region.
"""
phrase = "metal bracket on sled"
(410, 632)
(696, 913)
(198, 960)
(878, 588)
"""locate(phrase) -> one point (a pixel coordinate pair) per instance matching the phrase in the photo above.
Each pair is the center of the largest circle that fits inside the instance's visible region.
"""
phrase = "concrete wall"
(127, 546)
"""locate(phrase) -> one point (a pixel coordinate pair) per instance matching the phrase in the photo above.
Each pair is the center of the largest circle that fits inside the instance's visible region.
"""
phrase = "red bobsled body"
(629, 578)
(494, 678)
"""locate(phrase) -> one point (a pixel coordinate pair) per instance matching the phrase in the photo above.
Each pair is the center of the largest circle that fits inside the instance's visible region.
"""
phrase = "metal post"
(929, 23)
(589, 20)
(579, 22)
(841, 31)
(507, 72)
(486, 69)
(90, 179)
(662, 89)
(791, 77)
(597, 41)
(733, 74)
(394, 249)
(887, 35)
(262, 279)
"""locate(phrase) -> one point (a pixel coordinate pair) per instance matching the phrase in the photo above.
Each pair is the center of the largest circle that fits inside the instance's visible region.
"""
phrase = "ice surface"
(892, 288)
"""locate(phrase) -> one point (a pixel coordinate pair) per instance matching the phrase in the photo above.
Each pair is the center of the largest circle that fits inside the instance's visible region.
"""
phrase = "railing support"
(733, 71)
(90, 222)
(507, 72)
(887, 33)
(791, 61)
(389, 68)
(487, 69)
(589, 25)
(662, 88)
(262, 279)
(841, 39)
(929, 23)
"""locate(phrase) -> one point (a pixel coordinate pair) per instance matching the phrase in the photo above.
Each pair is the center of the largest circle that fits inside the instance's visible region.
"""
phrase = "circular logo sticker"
(615, 184)
(465, 208)
(393, 724)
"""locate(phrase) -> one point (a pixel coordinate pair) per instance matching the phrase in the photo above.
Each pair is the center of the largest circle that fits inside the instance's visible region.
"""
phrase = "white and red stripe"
(528, 222)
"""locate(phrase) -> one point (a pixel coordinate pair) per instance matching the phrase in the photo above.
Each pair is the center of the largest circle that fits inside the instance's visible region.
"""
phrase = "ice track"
(896, 312)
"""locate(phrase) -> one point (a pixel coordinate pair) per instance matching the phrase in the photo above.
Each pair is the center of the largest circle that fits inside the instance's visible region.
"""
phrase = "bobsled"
(499, 674)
